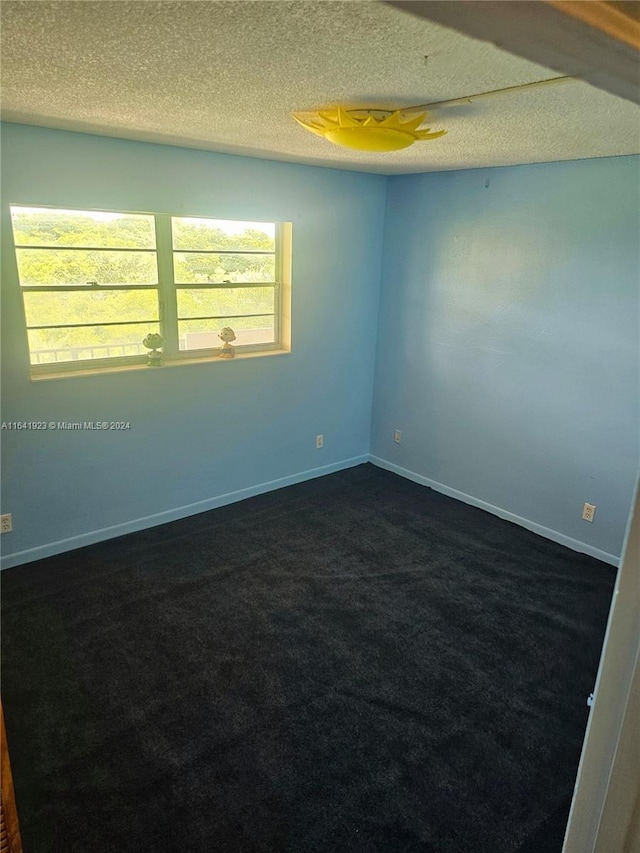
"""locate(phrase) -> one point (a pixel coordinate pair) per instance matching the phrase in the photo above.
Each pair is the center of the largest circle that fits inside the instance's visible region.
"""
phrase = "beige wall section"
(602, 818)
(623, 796)
(632, 841)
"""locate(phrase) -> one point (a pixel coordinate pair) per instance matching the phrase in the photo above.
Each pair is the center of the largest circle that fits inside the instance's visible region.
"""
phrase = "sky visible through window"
(233, 226)
(228, 226)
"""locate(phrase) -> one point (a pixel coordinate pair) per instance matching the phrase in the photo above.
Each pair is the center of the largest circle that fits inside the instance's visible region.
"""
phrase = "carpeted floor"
(356, 663)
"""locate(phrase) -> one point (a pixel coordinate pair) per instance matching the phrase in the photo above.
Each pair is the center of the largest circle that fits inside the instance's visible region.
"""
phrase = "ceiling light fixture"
(376, 129)
(363, 130)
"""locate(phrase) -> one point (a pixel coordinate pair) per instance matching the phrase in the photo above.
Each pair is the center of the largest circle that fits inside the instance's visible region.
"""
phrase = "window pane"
(56, 266)
(69, 307)
(38, 226)
(61, 345)
(192, 233)
(203, 334)
(225, 301)
(212, 269)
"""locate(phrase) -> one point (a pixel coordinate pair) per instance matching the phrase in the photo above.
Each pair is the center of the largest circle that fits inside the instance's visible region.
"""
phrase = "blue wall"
(508, 345)
(200, 431)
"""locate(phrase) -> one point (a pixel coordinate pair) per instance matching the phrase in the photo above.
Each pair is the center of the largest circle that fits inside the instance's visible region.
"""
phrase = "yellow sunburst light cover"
(368, 133)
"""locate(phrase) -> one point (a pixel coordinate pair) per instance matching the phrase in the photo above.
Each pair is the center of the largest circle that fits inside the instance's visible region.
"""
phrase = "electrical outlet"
(6, 525)
(588, 511)
(319, 442)
(397, 436)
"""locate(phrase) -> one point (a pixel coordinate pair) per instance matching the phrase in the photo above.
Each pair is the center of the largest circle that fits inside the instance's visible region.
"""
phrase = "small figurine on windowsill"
(226, 350)
(153, 342)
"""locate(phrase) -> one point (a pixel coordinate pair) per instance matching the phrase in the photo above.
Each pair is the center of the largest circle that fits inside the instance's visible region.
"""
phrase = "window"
(95, 283)
(225, 275)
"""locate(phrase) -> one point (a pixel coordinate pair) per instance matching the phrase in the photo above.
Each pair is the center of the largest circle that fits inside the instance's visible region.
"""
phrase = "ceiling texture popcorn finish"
(227, 76)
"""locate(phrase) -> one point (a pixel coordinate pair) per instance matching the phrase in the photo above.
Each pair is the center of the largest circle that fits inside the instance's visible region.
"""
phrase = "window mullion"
(166, 287)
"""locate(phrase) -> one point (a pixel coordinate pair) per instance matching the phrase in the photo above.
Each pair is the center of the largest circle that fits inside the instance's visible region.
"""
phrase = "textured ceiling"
(225, 76)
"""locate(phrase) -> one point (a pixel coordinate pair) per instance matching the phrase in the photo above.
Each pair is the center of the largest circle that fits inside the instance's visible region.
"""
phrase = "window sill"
(166, 365)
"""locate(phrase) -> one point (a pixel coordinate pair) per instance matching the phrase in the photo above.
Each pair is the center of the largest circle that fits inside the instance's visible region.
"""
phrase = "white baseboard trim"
(574, 544)
(70, 544)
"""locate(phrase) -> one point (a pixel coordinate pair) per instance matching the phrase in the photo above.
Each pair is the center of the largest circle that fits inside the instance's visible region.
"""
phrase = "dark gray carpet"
(356, 663)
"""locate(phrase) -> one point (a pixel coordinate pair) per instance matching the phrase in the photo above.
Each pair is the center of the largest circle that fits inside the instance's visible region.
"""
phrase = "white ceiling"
(225, 76)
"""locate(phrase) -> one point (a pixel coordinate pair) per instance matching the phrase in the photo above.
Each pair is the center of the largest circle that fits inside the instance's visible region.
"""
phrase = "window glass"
(41, 226)
(88, 342)
(229, 235)
(225, 302)
(51, 267)
(194, 268)
(203, 334)
(71, 308)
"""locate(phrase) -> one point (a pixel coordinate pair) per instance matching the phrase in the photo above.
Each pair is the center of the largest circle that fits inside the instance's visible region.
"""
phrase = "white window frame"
(166, 290)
